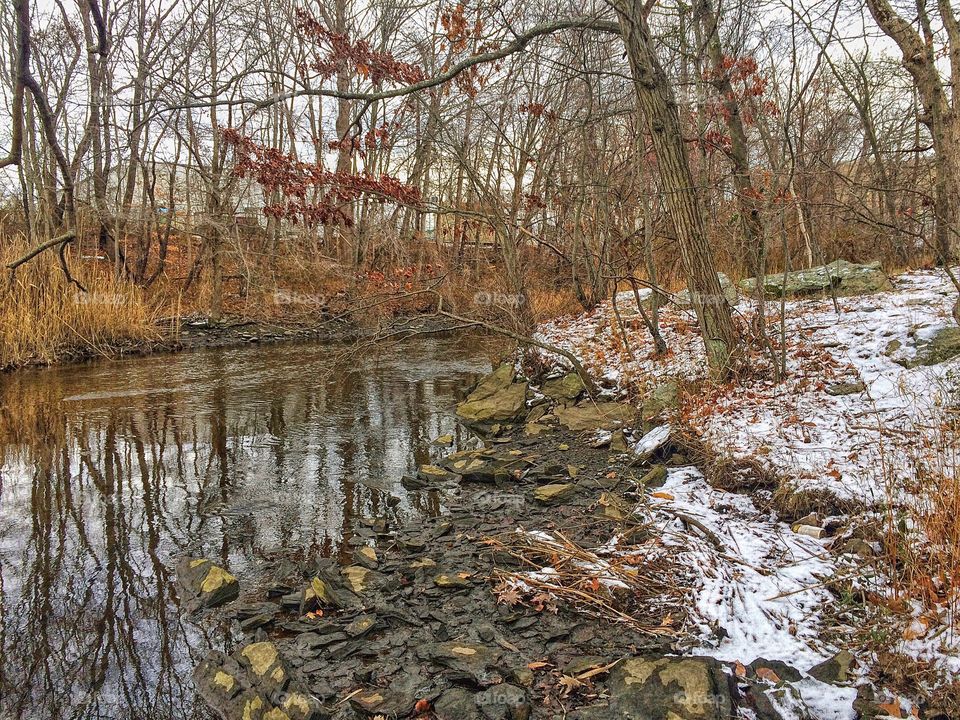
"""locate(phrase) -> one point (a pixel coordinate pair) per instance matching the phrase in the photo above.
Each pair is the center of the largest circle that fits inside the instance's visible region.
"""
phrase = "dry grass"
(638, 585)
(723, 471)
(922, 522)
(44, 319)
(908, 595)
(550, 303)
(792, 504)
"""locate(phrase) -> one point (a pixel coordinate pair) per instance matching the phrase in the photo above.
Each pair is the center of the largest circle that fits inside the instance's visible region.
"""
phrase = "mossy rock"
(596, 416)
(204, 584)
(566, 388)
(840, 276)
(927, 346)
(663, 397)
(694, 688)
(942, 345)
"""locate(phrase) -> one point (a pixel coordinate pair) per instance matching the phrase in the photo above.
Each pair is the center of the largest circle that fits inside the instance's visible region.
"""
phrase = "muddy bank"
(511, 602)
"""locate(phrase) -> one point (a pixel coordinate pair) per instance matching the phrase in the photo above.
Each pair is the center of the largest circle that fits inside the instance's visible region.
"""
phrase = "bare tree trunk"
(660, 110)
(941, 114)
(747, 199)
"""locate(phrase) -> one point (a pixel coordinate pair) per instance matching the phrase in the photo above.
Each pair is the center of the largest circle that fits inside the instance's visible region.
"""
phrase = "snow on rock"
(651, 442)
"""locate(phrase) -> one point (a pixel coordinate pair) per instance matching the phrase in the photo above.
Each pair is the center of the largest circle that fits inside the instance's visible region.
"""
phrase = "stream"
(111, 471)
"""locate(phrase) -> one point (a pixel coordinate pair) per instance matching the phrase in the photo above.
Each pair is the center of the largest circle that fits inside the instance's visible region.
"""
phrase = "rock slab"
(205, 585)
(842, 277)
(496, 399)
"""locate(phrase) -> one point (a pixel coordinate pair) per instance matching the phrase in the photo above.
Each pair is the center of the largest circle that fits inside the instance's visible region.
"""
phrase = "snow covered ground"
(761, 592)
(763, 586)
(851, 444)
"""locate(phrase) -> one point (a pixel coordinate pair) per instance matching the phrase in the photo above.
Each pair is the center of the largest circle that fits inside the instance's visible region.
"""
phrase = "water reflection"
(110, 472)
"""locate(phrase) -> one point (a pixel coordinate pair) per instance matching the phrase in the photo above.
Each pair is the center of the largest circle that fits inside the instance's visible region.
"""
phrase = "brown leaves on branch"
(372, 64)
(309, 192)
(458, 29)
(746, 92)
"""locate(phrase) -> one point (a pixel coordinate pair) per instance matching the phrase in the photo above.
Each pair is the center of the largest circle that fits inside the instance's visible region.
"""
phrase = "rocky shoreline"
(456, 617)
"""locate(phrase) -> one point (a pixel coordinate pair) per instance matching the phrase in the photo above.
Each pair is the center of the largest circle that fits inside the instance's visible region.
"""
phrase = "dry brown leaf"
(569, 683)
(596, 671)
(916, 629)
(892, 708)
(662, 495)
(739, 669)
(768, 675)
(538, 665)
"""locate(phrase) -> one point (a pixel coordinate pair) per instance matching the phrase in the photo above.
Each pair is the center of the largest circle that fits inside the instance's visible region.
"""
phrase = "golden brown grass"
(43, 318)
(922, 532)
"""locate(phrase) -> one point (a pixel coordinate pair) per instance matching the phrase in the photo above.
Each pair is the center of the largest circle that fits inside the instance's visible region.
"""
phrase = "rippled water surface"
(110, 472)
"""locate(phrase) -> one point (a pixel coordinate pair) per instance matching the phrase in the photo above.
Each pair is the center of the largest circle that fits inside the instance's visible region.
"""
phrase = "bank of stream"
(268, 534)
(545, 588)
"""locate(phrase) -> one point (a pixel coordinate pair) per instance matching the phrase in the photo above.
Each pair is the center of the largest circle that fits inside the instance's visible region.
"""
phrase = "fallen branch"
(588, 382)
(694, 523)
(61, 240)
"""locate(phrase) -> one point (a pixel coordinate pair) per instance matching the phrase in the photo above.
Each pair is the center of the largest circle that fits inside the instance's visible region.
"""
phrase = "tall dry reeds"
(44, 318)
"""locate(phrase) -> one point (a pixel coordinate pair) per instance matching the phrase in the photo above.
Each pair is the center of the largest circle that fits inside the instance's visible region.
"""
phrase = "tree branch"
(516, 45)
(61, 240)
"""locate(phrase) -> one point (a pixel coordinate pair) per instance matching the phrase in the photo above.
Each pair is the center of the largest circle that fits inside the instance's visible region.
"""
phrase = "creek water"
(111, 471)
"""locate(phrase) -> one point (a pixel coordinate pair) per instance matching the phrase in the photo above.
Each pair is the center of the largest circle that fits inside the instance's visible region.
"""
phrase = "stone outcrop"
(927, 345)
(936, 347)
(842, 277)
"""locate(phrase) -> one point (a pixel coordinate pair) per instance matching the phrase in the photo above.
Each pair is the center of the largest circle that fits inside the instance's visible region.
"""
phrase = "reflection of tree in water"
(99, 496)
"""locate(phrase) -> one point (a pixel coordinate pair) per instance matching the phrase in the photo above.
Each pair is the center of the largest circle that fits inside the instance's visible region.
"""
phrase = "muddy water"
(110, 472)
